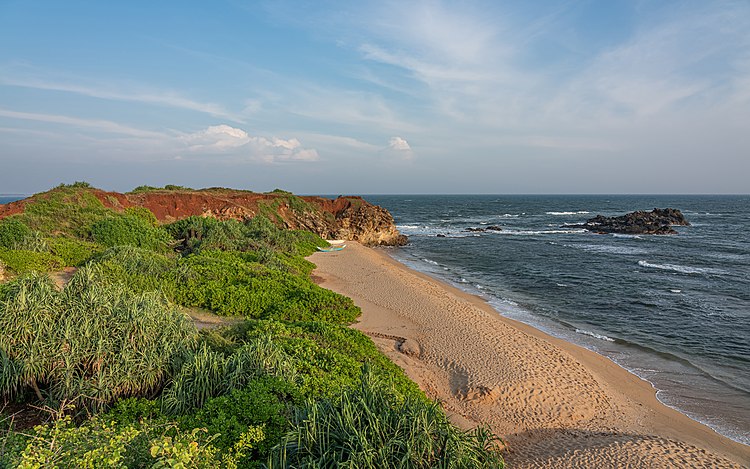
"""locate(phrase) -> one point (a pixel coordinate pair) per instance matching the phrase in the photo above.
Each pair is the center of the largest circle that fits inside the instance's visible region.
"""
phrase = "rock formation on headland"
(658, 221)
(351, 218)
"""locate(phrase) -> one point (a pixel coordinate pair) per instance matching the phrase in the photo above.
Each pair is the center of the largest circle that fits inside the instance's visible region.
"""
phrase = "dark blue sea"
(674, 310)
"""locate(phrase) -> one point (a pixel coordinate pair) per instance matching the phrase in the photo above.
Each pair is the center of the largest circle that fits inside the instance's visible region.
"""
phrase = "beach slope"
(555, 404)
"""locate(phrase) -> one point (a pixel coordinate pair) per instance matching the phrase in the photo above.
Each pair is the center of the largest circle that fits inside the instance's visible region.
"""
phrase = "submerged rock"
(484, 229)
(658, 221)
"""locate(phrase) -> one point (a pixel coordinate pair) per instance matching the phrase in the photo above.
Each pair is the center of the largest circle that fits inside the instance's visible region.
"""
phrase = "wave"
(681, 268)
(594, 335)
(537, 232)
(607, 249)
(580, 212)
(429, 261)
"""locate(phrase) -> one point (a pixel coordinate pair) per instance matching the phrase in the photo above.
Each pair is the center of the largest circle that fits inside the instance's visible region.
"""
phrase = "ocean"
(674, 310)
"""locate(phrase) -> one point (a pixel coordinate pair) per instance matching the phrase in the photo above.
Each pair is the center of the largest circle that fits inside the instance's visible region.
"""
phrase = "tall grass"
(90, 343)
(207, 374)
(370, 427)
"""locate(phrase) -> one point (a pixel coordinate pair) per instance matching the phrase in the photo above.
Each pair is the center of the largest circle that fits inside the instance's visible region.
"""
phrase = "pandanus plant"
(92, 342)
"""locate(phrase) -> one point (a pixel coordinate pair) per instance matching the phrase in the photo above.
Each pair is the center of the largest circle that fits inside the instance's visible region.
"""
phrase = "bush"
(13, 232)
(65, 210)
(90, 343)
(73, 252)
(207, 374)
(22, 261)
(100, 443)
(265, 402)
(128, 230)
(327, 357)
(143, 213)
(371, 427)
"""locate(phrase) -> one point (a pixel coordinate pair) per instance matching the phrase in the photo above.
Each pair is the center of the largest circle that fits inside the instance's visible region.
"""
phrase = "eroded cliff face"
(349, 218)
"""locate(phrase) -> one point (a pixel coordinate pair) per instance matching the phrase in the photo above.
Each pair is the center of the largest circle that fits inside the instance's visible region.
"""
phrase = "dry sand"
(555, 404)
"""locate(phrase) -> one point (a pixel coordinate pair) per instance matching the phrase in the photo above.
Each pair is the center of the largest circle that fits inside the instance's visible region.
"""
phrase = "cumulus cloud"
(398, 143)
(227, 139)
(218, 137)
(400, 147)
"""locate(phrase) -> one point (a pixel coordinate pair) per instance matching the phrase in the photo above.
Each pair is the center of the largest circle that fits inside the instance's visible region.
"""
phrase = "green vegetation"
(129, 230)
(132, 383)
(90, 343)
(371, 426)
(168, 187)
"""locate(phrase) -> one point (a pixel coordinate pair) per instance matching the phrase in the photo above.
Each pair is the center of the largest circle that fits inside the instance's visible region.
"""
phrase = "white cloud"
(399, 144)
(227, 139)
(400, 148)
(217, 137)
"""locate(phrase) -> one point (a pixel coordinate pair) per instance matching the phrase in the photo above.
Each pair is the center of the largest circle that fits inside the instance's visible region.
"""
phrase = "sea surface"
(674, 310)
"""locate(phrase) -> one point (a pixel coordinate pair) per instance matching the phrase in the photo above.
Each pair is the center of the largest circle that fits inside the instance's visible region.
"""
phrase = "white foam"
(608, 249)
(580, 212)
(429, 261)
(538, 232)
(681, 268)
(676, 291)
(594, 335)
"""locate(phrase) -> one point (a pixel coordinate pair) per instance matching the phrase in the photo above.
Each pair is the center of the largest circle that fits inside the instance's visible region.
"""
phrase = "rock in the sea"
(658, 221)
(484, 229)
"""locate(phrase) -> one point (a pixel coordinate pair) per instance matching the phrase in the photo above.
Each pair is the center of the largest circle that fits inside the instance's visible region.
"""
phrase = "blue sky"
(377, 97)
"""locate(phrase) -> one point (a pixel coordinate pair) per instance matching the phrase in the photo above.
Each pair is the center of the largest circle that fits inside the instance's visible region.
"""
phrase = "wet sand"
(555, 404)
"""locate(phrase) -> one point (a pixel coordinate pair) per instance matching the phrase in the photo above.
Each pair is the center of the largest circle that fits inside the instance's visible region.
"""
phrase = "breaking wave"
(681, 268)
(594, 335)
(580, 212)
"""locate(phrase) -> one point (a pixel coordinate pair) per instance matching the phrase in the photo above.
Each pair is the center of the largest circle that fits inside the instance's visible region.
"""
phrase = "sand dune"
(555, 404)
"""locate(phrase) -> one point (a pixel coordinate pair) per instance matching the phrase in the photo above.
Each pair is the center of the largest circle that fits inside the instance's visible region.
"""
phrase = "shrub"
(265, 402)
(73, 252)
(12, 232)
(100, 443)
(22, 261)
(90, 343)
(143, 213)
(371, 427)
(207, 374)
(128, 230)
(66, 210)
(327, 357)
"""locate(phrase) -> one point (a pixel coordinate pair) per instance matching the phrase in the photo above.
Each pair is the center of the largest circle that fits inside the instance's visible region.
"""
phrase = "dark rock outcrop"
(658, 221)
(484, 229)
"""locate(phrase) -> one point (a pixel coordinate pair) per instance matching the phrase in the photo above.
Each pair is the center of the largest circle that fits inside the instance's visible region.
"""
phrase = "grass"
(372, 427)
(91, 343)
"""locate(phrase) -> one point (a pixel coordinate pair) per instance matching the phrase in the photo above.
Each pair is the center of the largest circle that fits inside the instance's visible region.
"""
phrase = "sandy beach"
(555, 404)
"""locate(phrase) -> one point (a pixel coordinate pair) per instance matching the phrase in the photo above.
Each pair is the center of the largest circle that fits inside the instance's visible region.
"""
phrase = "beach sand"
(554, 404)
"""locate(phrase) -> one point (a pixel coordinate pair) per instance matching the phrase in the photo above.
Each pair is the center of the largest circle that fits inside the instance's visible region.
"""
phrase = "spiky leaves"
(92, 342)
(371, 427)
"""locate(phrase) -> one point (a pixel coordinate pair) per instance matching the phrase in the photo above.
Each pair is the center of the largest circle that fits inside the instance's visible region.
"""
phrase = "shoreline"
(554, 402)
(562, 331)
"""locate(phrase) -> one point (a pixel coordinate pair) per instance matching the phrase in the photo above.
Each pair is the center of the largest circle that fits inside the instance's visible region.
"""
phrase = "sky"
(379, 97)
